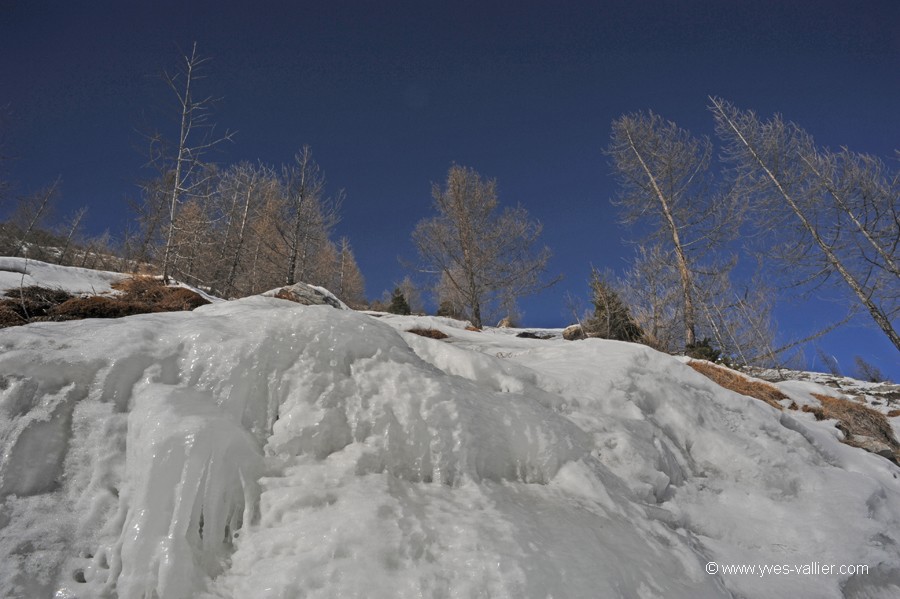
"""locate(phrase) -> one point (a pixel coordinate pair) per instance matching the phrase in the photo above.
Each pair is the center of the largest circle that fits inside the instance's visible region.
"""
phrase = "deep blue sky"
(389, 94)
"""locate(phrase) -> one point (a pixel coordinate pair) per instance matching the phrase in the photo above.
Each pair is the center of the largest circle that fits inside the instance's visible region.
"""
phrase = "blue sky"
(389, 94)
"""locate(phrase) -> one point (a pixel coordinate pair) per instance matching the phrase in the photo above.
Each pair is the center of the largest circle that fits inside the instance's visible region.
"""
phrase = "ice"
(258, 448)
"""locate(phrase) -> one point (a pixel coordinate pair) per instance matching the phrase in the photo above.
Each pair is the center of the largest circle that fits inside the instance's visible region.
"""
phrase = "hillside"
(259, 448)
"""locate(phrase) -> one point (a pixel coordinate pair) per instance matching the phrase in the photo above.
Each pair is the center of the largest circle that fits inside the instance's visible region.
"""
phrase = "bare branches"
(662, 172)
(32, 210)
(183, 165)
(837, 211)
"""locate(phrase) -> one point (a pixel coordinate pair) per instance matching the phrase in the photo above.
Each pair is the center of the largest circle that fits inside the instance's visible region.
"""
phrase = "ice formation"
(258, 448)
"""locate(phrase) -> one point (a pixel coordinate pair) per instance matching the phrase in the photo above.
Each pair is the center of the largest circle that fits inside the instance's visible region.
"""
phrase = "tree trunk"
(683, 270)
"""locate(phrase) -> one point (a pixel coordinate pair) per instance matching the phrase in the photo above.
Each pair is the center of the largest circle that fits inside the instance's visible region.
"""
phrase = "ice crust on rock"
(259, 449)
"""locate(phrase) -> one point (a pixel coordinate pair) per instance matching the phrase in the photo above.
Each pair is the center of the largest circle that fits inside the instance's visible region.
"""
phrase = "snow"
(68, 278)
(259, 448)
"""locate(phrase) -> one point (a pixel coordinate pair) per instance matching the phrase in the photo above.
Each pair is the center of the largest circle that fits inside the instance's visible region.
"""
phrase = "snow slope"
(16, 272)
(258, 448)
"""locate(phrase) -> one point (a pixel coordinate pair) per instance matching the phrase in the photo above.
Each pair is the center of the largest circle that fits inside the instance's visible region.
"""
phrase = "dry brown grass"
(139, 295)
(473, 329)
(734, 381)
(29, 304)
(141, 288)
(430, 333)
(857, 421)
(893, 413)
(97, 306)
(178, 299)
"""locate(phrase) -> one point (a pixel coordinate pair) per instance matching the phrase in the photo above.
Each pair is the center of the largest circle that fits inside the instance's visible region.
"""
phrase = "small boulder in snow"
(307, 295)
(573, 332)
(875, 446)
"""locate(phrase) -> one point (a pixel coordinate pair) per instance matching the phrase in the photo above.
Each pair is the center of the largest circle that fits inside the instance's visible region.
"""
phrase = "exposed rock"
(506, 323)
(533, 335)
(875, 446)
(307, 295)
(573, 332)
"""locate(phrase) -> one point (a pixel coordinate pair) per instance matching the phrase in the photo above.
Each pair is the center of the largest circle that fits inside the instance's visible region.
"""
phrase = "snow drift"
(258, 448)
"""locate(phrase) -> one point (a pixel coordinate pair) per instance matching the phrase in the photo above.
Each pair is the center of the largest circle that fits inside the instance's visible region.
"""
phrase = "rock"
(875, 446)
(506, 323)
(533, 335)
(307, 295)
(573, 332)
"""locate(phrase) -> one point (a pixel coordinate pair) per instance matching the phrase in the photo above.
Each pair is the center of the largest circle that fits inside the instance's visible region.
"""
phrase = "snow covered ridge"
(259, 448)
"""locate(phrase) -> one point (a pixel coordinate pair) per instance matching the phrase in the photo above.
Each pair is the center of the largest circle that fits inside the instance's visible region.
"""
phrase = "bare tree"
(486, 256)
(412, 294)
(651, 289)
(5, 185)
(309, 217)
(241, 192)
(182, 166)
(835, 214)
(662, 172)
(450, 301)
(265, 262)
(32, 210)
(72, 230)
(349, 284)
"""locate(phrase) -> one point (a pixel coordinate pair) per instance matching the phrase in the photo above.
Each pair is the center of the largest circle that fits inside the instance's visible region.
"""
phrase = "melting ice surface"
(261, 449)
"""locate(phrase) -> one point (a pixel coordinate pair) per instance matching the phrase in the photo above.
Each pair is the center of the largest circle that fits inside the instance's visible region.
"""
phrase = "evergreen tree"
(399, 305)
(611, 319)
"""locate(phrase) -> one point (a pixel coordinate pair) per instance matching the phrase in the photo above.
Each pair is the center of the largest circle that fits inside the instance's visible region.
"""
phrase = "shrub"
(703, 350)
(449, 310)
(10, 317)
(868, 372)
(612, 318)
(33, 301)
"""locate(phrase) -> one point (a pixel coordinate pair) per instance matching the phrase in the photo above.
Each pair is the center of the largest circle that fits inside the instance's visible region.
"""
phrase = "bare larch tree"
(662, 173)
(833, 213)
(486, 255)
(182, 166)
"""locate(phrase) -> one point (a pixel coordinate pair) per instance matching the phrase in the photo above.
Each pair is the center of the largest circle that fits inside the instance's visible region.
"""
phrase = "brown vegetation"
(96, 306)
(138, 295)
(430, 333)
(725, 377)
(29, 304)
(858, 422)
(862, 426)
